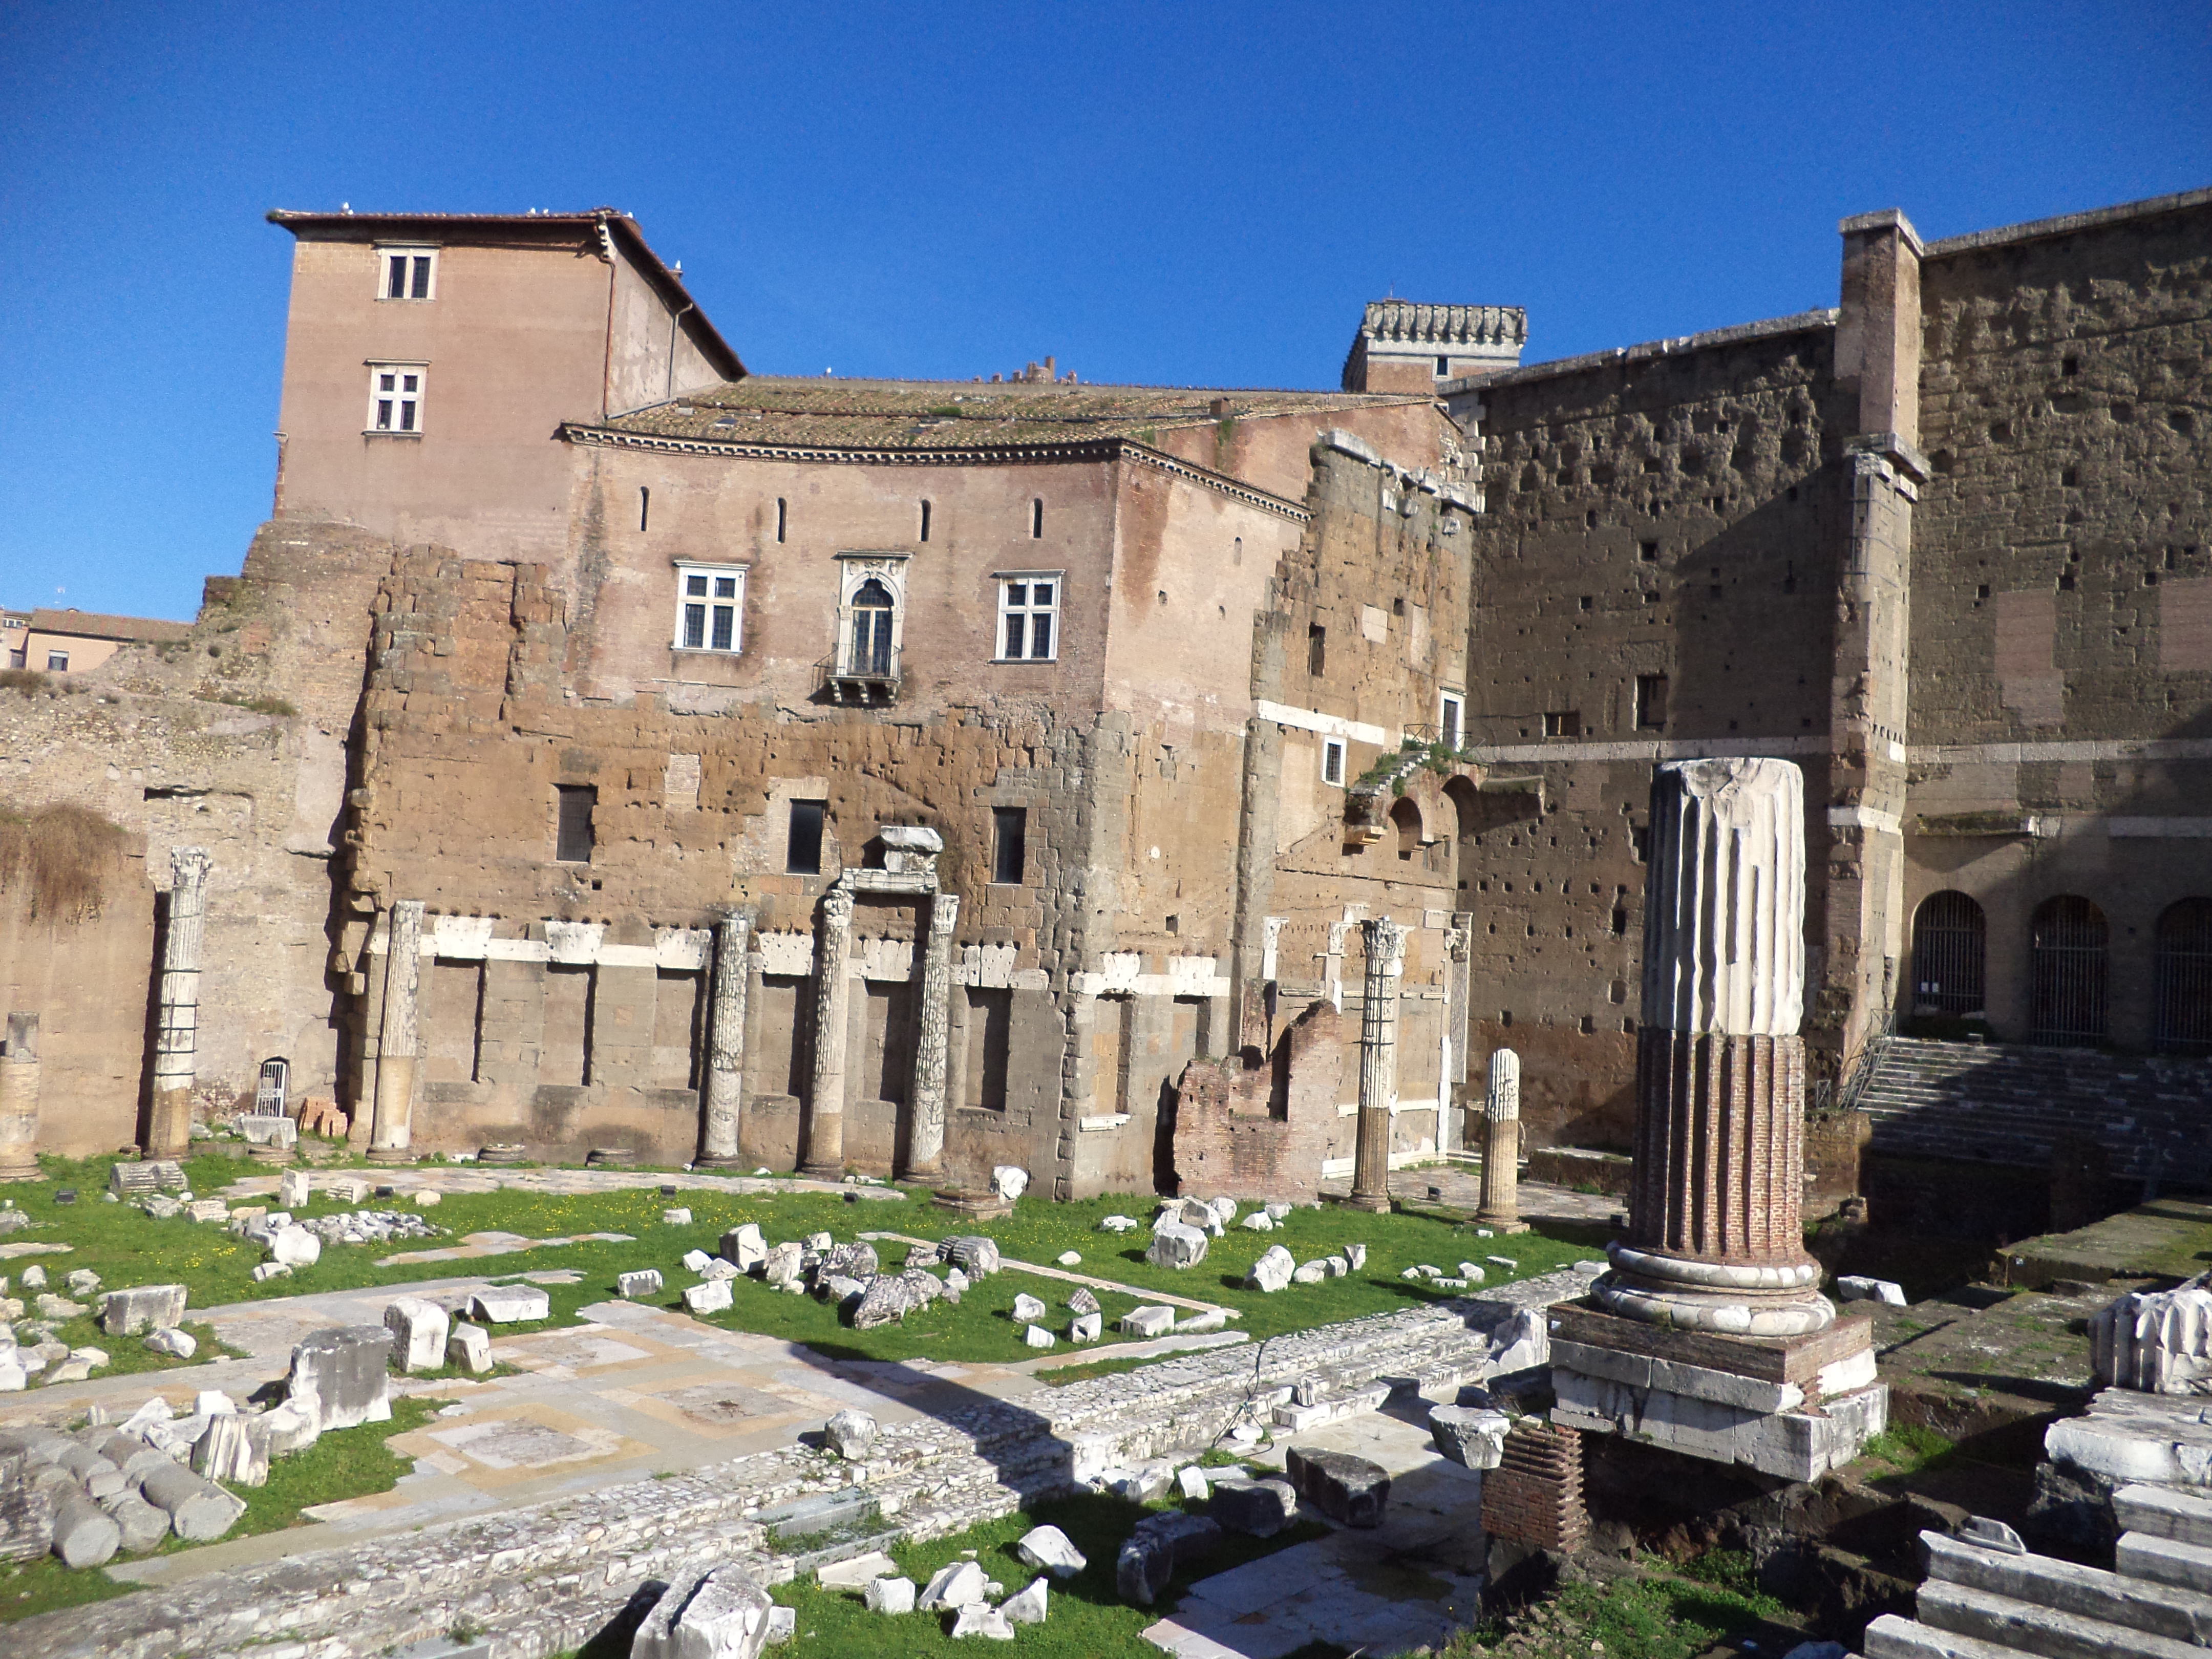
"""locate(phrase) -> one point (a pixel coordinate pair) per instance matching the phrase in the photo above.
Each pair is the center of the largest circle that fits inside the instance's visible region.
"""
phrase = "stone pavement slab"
(488, 1178)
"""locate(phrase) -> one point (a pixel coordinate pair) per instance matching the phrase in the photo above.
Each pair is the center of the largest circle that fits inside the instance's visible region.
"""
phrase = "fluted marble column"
(825, 1156)
(1501, 1142)
(1716, 1237)
(19, 1100)
(391, 1136)
(925, 1157)
(1378, 1063)
(726, 1046)
(176, 1040)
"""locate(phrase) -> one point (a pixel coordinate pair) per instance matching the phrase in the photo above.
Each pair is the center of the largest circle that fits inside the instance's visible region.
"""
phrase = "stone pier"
(823, 1132)
(19, 1099)
(392, 1134)
(1385, 941)
(176, 1041)
(925, 1157)
(725, 1046)
(1501, 1146)
(1710, 1335)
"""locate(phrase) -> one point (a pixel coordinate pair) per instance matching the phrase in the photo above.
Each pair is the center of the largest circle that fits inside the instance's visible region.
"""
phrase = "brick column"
(1501, 1142)
(1378, 1063)
(176, 1042)
(726, 1046)
(19, 1100)
(1535, 1495)
(925, 1153)
(823, 1132)
(1716, 1242)
(392, 1136)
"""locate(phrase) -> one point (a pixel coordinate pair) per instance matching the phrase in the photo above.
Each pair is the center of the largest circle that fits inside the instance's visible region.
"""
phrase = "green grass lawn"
(126, 1247)
(344, 1463)
(1656, 1616)
(1085, 1619)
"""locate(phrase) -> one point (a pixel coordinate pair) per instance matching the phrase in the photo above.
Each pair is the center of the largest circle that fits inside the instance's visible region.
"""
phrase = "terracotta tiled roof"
(962, 414)
(93, 625)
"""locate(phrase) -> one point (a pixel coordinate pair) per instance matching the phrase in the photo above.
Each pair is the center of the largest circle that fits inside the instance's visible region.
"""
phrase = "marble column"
(19, 1100)
(176, 1040)
(391, 1139)
(1501, 1143)
(1715, 1239)
(925, 1157)
(1378, 1063)
(726, 1046)
(824, 1136)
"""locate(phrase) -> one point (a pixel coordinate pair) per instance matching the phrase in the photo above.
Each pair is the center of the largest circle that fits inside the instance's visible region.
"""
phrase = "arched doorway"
(2066, 946)
(1950, 945)
(2183, 979)
(1406, 818)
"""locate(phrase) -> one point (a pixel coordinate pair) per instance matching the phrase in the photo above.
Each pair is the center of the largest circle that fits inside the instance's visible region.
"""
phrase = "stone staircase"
(1990, 1600)
(2008, 1103)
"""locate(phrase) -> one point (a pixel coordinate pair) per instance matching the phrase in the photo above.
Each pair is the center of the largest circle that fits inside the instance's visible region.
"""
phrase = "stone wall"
(1265, 1131)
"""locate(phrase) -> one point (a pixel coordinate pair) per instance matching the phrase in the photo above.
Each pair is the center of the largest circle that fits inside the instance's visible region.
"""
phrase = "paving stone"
(1258, 1508)
(856, 1571)
(511, 1304)
(1346, 1488)
(1471, 1437)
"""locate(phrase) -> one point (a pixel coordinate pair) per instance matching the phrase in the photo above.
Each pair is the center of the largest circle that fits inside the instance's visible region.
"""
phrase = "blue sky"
(1194, 195)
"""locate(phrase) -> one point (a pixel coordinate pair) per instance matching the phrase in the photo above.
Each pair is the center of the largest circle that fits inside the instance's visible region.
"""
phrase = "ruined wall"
(1667, 517)
(2062, 657)
(1265, 1131)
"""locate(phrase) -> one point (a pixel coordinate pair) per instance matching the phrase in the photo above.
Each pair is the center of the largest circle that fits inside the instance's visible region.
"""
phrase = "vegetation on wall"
(65, 856)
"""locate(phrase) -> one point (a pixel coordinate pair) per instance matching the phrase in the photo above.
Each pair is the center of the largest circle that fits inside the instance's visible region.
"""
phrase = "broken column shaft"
(726, 1046)
(176, 1041)
(825, 1156)
(391, 1136)
(925, 1157)
(1501, 1143)
(1715, 1241)
(1378, 1063)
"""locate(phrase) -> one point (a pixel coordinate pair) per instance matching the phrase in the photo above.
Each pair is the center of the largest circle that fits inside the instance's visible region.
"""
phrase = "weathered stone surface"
(1037, 1337)
(782, 1265)
(1050, 1550)
(744, 1246)
(286, 1428)
(294, 1189)
(1174, 1245)
(1160, 1544)
(142, 1308)
(1348, 1489)
(1309, 1273)
(1086, 1327)
(637, 1283)
(469, 1347)
(1030, 1604)
(227, 1453)
(981, 1619)
(959, 1585)
(1083, 1302)
(1028, 1309)
(85, 1534)
(708, 1296)
(1258, 1508)
(1192, 1483)
(1273, 1270)
(716, 1266)
(141, 1525)
(889, 1595)
(892, 1296)
(510, 1304)
(2158, 1341)
(1853, 1287)
(419, 1330)
(855, 1261)
(1120, 1224)
(1470, 1435)
(1258, 1222)
(850, 1434)
(339, 1377)
(1148, 1321)
(1009, 1181)
(181, 1345)
(152, 1175)
(719, 1614)
(974, 1254)
(200, 1510)
(854, 1571)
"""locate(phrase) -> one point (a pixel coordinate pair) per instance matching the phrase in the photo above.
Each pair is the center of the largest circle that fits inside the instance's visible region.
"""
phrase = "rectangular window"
(1316, 650)
(406, 273)
(1029, 619)
(1448, 720)
(1009, 827)
(803, 851)
(395, 398)
(58, 662)
(572, 841)
(1650, 702)
(925, 521)
(1564, 723)
(710, 604)
(1332, 760)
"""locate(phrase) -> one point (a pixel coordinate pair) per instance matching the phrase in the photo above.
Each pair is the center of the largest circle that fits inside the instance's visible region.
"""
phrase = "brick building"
(600, 646)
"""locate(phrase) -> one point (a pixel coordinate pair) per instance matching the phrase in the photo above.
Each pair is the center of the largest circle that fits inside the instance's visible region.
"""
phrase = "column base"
(1500, 1224)
(390, 1155)
(822, 1172)
(1367, 1201)
(19, 1167)
(717, 1161)
(1728, 1298)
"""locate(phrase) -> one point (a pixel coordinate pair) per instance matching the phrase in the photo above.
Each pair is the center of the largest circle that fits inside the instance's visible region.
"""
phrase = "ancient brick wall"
(1265, 1130)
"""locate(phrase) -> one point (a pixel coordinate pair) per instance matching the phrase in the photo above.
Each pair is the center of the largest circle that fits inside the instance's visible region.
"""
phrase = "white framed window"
(710, 607)
(1332, 760)
(406, 273)
(395, 398)
(1028, 616)
(1451, 723)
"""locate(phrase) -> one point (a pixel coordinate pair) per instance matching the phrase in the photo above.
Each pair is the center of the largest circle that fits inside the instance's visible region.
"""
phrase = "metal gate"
(2184, 978)
(2066, 940)
(1949, 940)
